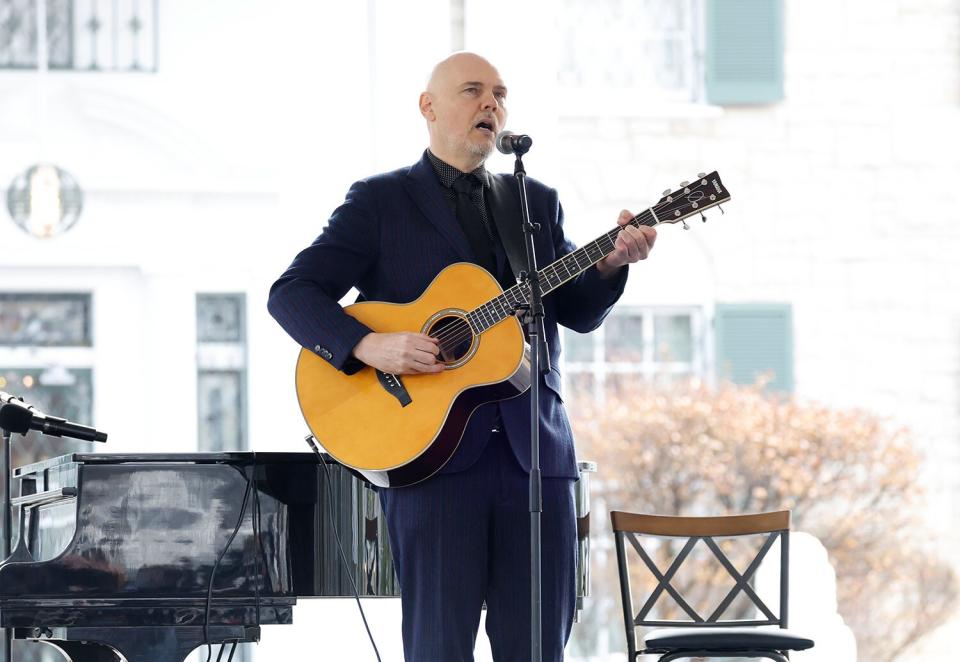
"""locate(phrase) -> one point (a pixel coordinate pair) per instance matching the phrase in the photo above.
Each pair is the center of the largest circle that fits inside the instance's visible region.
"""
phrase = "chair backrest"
(631, 528)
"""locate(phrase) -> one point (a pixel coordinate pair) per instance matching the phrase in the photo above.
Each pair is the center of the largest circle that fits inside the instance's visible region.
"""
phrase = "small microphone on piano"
(313, 445)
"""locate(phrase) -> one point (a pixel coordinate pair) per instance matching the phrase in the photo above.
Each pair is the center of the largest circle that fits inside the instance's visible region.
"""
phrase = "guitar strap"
(504, 206)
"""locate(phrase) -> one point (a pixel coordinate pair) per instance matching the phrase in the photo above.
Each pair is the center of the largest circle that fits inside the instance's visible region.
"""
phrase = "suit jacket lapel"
(505, 207)
(422, 184)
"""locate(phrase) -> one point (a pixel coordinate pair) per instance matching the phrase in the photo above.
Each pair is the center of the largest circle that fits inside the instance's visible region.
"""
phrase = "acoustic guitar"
(398, 430)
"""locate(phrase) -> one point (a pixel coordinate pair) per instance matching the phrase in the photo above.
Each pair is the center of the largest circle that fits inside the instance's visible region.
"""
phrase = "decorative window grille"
(82, 35)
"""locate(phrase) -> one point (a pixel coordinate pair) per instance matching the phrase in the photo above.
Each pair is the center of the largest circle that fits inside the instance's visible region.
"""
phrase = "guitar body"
(400, 436)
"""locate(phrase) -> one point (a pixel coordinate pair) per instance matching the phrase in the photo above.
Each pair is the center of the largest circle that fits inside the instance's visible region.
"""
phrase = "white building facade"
(204, 173)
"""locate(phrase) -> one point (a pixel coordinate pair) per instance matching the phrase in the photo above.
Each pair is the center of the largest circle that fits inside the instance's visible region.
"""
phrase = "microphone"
(17, 416)
(510, 143)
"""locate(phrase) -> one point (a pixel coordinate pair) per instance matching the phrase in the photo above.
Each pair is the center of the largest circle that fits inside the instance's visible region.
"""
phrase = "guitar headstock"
(691, 198)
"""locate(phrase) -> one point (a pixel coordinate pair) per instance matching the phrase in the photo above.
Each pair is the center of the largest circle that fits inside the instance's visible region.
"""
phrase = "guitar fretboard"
(553, 276)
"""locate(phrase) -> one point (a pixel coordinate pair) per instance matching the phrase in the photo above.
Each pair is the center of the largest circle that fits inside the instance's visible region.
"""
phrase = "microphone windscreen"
(15, 418)
(503, 142)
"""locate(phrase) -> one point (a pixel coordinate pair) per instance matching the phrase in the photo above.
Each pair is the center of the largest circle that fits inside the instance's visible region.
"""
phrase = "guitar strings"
(460, 331)
(450, 332)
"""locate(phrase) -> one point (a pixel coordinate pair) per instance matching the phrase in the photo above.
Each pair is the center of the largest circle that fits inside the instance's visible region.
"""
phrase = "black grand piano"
(130, 554)
(150, 556)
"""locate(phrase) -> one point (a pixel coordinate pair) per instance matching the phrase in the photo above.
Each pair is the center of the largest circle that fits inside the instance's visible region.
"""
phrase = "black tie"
(472, 223)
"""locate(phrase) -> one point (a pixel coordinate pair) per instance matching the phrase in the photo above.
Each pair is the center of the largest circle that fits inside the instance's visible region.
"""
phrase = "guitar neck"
(689, 199)
(552, 276)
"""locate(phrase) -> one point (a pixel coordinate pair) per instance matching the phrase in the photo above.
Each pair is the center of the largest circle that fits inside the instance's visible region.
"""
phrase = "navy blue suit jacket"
(392, 235)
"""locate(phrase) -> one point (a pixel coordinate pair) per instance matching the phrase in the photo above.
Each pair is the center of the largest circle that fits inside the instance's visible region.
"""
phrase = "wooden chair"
(709, 636)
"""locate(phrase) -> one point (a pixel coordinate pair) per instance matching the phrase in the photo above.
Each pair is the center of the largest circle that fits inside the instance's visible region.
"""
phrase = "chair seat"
(725, 638)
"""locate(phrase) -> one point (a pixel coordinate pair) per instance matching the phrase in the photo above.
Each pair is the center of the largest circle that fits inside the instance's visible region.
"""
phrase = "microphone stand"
(6, 520)
(539, 363)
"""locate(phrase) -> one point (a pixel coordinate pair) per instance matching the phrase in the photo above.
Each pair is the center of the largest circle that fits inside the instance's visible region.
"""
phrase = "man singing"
(461, 537)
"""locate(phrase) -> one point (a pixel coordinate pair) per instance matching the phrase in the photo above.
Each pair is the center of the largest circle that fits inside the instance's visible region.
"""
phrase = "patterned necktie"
(472, 223)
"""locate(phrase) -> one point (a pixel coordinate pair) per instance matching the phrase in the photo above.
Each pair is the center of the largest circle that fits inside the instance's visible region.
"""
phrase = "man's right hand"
(399, 353)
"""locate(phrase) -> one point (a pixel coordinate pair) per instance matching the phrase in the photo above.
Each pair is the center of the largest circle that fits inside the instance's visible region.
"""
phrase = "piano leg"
(143, 644)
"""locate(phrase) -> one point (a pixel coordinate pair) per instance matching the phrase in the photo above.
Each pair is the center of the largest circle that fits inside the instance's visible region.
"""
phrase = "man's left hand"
(631, 245)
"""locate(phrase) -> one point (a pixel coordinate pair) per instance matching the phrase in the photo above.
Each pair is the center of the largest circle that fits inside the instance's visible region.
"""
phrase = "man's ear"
(426, 107)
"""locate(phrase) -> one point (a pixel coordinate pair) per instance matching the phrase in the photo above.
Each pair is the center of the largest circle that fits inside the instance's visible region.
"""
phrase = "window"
(55, 390)
(626, 47)
(221, 372)
(222, 382)
(647, 344)
(37, 319)
(46, 357)
(88, 35)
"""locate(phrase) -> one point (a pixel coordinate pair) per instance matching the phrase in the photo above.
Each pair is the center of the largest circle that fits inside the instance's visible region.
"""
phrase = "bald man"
(461, 537)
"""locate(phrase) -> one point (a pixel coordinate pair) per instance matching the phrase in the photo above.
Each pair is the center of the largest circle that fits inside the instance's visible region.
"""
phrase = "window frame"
(648, 367)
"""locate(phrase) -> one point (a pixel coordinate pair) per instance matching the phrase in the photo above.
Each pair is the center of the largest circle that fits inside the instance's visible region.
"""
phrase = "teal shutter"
(744, 51)
(752, 339)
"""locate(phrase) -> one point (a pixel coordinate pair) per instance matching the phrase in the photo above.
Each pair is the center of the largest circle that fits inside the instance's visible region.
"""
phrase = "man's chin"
(481, 150)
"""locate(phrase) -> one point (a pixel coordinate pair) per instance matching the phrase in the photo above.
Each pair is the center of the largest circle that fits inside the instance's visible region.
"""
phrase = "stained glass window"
(62, 392)
(220, 318)
(221, 372)
(45, 320)
(220, 408)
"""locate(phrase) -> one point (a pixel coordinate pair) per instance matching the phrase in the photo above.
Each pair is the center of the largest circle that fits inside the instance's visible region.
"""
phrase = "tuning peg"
(701, 175)
(667, 192)
(685, 226)
(684, 183)
(702, 216)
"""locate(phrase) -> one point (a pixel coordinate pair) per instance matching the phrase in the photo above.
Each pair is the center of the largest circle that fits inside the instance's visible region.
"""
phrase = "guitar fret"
(486, 314)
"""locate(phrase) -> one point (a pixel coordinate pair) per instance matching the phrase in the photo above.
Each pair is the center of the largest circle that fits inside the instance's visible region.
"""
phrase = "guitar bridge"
(391, 384)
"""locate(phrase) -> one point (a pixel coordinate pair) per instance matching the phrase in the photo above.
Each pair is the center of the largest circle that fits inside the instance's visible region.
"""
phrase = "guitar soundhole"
(455, 338)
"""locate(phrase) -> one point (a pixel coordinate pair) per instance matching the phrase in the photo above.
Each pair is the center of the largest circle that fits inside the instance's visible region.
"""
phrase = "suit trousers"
(464, 538)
